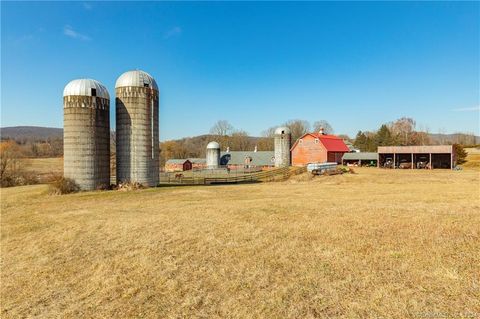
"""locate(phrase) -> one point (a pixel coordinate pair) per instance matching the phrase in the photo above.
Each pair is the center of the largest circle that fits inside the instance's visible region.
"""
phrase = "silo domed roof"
(136, 78)
(282, 130)
(214, 145)
(84, 87)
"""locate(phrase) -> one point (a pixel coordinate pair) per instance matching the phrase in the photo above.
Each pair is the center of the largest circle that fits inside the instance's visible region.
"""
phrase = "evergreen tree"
(383, 136)
(459, 153)
(360, 141)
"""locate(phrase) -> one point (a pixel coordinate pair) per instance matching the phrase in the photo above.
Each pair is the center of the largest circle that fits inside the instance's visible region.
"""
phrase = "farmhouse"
(427, 156)
(318, 148)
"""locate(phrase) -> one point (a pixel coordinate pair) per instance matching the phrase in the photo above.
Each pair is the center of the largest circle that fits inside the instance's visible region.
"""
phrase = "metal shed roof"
(198, 160)
(436, 149)
(84, 87)
(260, 158)
(176, 161)
(370, 156)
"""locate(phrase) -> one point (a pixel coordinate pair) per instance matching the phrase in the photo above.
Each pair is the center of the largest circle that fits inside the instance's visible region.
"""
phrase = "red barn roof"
(331, 142)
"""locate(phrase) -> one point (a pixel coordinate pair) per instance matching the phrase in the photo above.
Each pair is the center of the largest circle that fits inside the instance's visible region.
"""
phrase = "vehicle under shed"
(416, 157)
(360, 159)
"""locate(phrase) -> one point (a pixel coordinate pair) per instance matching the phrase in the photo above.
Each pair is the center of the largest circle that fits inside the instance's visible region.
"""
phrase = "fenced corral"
(226, 176)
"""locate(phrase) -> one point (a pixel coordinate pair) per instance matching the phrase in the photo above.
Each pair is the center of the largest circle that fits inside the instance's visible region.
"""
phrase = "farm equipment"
(422, 163)
(388, 163)
(404, 164)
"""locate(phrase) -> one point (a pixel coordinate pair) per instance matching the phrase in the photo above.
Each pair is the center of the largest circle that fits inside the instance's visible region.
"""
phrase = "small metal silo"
(213, 155)
(137, 98)
(282, 142)
(86, 134)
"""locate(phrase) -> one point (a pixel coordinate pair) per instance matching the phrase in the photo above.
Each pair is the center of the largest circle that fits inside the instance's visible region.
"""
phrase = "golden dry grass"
(44, 168)
(473, 158)
(391, 244)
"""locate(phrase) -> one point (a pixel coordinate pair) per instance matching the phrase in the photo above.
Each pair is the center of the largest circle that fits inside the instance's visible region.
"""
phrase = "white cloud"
(468, 109)
(35, 35)
(87, 6)
(175, 31)
(69, 32)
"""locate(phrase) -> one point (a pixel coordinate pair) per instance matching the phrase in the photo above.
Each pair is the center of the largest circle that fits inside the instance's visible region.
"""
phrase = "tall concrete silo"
(137, 128)
(86, 133)
(213, 155)
(282, 141)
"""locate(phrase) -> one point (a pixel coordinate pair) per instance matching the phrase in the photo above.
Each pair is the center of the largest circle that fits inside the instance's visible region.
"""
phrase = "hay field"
(44, 168)
(391, 244)
(473, 158)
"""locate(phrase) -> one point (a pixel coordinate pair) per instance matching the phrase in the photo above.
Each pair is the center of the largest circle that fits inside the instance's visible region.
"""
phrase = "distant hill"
(30, 133)
(458, 138)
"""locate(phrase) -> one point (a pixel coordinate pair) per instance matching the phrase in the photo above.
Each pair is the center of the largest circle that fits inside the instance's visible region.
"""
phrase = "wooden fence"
(277, 174)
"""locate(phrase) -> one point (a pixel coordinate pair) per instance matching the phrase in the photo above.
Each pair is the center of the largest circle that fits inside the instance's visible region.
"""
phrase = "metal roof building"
(364, 156)
(247, 158)
(359, 158)
(417, 156)
(317, 148)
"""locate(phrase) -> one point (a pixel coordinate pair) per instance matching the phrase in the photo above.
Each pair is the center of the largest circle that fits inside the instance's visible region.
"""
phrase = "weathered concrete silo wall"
(137, 137)
(213, 155)
(282, 144)
(86, 135)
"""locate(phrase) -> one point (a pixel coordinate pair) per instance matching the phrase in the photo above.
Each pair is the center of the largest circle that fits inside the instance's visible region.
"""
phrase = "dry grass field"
(44, 168)
(473, 158)
(383, 244)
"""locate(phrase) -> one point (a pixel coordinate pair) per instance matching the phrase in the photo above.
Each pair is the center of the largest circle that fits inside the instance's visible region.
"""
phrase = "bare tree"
(113, 141)
(9, 159)
(239, 141)
(327, 128)
(297, 128)
(269, 132)
(221, 128)
(402, 129)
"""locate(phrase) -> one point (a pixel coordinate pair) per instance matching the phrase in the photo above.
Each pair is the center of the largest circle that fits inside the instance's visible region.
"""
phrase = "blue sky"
(255, 64)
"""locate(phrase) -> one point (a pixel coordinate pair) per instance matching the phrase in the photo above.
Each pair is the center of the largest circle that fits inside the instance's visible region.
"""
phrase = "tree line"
(400, 132)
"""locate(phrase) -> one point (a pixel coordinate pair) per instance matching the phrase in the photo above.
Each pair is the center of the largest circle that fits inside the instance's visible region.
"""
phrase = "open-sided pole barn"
(425, 156)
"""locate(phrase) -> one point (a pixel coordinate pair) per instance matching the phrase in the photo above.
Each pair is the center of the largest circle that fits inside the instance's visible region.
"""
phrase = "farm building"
(247, 159)
(433, 156)
(179, 165)
(318, 148)
(351, 147)
(198, 163)
(360, 159)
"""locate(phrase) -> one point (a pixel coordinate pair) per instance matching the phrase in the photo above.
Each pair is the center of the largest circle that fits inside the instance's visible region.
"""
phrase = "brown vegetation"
(379, 243)
(62, 186)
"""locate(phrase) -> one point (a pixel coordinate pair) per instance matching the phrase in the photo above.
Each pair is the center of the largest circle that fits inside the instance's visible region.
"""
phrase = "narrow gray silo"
(282, 141)
(213, 155)
(86, 134)
(137, 128)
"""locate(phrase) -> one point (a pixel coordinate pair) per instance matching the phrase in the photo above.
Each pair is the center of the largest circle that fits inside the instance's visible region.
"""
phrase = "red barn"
(318, 148)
